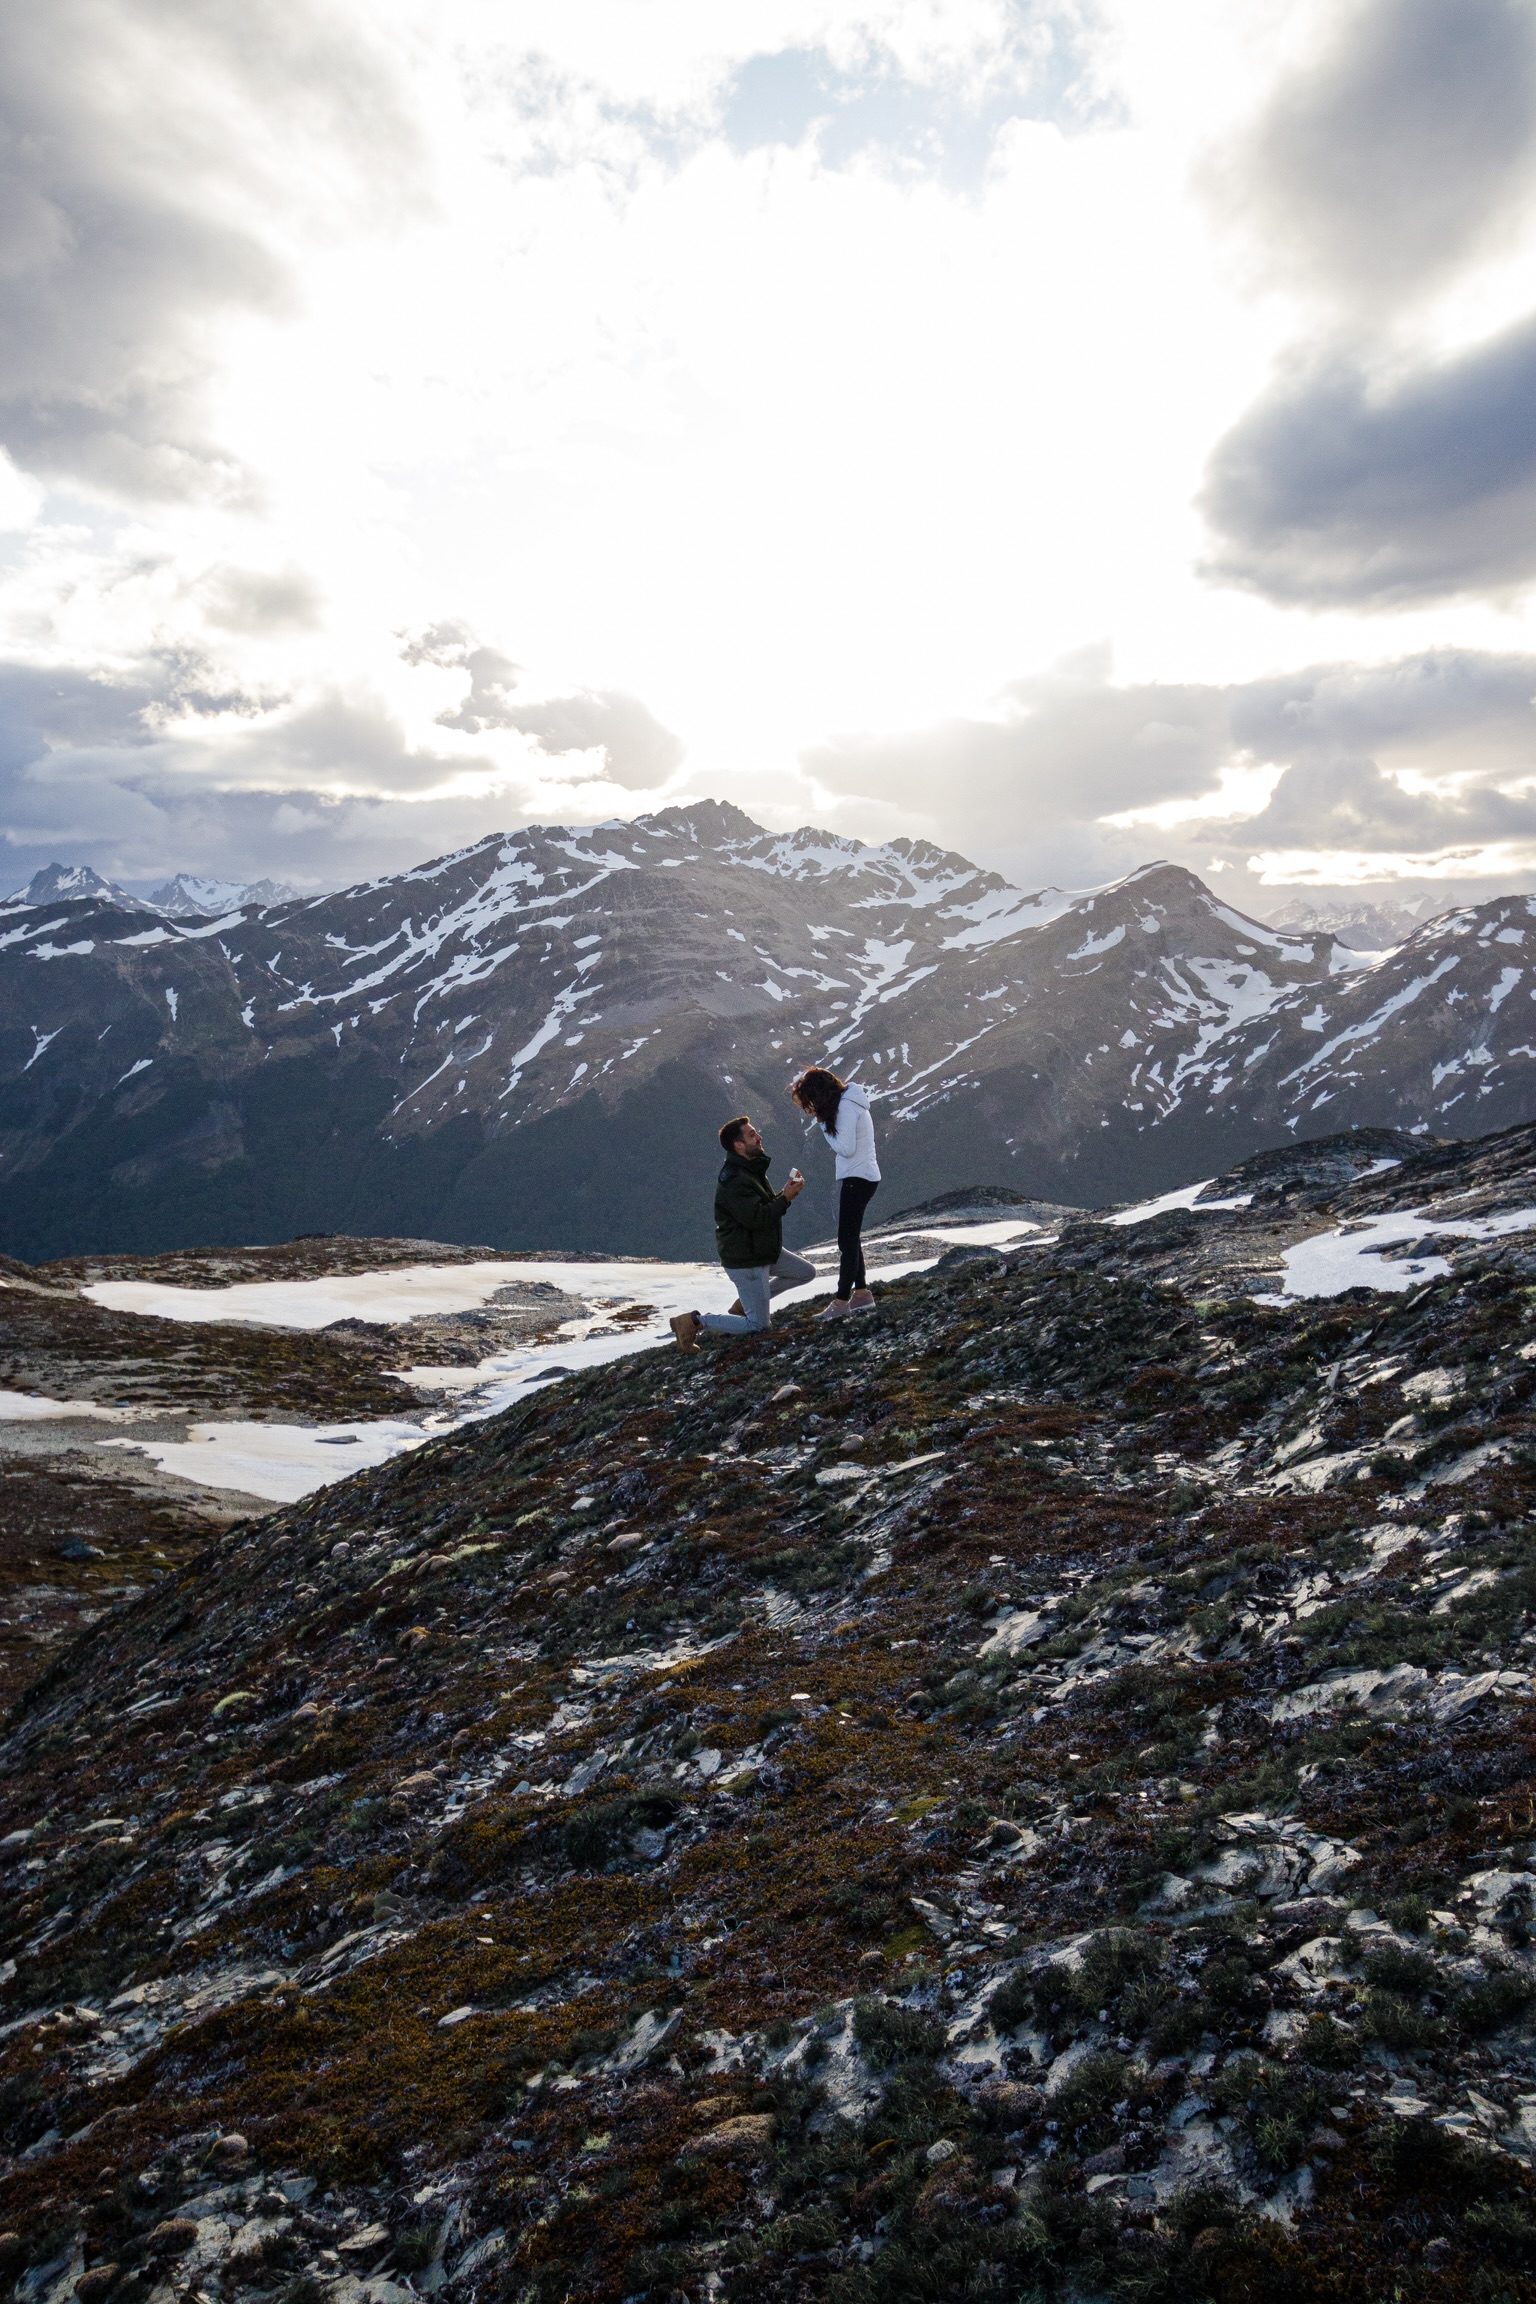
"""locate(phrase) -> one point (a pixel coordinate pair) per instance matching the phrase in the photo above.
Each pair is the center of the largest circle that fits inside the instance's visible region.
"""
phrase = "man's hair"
(732, 1130)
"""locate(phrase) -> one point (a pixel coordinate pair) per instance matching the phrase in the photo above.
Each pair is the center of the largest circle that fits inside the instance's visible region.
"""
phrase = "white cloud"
(694, 386)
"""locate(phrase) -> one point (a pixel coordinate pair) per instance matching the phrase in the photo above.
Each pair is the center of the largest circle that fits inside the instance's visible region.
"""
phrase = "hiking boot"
(835, 1310)
(685, 1327)
(862, 1300)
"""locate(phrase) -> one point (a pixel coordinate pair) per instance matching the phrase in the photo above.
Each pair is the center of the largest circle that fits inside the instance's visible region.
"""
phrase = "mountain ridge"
(527, 1041)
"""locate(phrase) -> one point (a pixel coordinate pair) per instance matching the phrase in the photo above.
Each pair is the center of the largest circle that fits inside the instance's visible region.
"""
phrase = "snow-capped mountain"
(1366, 927)
(186, 897)
(66, 883)
(531, 1041)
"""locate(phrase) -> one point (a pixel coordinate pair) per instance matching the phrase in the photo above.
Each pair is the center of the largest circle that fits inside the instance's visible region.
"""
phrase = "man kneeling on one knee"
(749, 1231)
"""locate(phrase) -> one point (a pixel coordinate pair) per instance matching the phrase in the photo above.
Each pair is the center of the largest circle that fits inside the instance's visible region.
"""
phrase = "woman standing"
(842, 1107)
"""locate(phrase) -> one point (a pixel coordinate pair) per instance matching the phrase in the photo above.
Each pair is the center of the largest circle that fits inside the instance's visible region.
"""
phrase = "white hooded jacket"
(853, 1139)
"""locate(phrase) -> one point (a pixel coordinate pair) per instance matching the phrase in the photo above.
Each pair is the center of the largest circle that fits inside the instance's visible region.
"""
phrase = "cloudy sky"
(1074, 432)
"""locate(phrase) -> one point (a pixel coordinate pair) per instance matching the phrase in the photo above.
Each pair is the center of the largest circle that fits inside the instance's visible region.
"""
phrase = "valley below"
(1028, 1794)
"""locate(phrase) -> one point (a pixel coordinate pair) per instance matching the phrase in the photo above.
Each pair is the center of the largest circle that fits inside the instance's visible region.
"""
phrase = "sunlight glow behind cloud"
(812, 405)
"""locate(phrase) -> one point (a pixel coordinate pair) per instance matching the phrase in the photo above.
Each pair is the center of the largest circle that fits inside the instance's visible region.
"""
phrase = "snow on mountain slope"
(529, 1041)
(187, 897)
(67, 883)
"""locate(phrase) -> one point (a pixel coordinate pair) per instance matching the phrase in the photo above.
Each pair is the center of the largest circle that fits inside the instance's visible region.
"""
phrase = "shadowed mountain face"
(1026, 1794)
(530, 1042)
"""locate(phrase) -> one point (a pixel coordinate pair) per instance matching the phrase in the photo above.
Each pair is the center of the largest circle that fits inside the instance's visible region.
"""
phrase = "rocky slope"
(530, 1042)
(81, 1529)
(1027, 1794)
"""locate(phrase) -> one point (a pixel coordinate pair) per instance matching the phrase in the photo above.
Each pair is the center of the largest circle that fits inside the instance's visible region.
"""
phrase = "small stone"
(624, 1543)
(229, 2148)
(941, 2151)
(1109, 2162)
(363, 2243)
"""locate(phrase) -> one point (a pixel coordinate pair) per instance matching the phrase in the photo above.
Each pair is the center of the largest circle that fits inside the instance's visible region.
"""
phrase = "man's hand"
(795, 1186)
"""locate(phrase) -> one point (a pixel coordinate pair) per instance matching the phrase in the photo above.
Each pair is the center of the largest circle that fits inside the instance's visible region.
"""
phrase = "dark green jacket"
(749, 1214)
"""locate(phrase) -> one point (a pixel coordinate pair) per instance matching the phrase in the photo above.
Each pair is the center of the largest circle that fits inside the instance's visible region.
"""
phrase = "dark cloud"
(492, 676)
(638, 752)
(1068, 747)
(145, 148)
(115, 774)
(1361, 477)
(1027, 789)
(1389, 158)
(336, 792)
(1333, 489)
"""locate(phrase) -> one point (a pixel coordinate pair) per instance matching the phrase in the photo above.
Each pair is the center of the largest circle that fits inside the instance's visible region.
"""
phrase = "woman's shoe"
(835, 1310)
(685, 1327)
(862, 1300)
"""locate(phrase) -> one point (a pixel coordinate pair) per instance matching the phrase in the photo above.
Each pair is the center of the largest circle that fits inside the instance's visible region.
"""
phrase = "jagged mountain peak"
(187, 896)
(70, 884)
(708, 822)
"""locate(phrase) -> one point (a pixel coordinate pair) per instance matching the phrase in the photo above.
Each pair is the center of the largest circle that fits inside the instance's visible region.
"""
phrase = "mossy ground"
(687, 1791)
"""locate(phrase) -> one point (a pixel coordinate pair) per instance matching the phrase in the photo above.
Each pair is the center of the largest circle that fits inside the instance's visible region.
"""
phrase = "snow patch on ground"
(1187, 1196)
(280, 1462)
(283, 1462)
(1351, 1256)
(30, 1407)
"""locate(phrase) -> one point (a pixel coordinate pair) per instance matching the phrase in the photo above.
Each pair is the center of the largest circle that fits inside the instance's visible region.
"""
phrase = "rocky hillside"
(530, 1042)
(1026, 1794)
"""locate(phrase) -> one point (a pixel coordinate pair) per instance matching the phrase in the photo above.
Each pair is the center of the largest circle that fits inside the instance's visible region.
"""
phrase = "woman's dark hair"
(819, 1092)
(731, 1131)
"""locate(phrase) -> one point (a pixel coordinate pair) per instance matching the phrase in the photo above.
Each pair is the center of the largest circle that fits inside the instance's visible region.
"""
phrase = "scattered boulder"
(173, 2236)
(747, 2132)
(968, 1255)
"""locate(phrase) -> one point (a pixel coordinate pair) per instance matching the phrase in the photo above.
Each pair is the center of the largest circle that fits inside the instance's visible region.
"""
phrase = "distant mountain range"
(1364, 927)
(530, 1042)
(186, 897)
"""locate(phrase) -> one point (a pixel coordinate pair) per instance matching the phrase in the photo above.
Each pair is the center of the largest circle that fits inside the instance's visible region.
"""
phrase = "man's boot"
(685, 1327)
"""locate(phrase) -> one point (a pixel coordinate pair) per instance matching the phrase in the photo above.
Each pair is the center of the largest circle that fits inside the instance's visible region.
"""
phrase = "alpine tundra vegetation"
(1026, 1795)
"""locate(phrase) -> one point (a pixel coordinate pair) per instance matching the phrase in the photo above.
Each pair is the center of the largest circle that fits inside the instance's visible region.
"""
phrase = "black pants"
(853, 1198)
